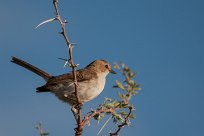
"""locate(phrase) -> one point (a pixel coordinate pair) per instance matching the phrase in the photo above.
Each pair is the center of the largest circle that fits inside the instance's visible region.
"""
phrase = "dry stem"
(81, 123)
(79, 129)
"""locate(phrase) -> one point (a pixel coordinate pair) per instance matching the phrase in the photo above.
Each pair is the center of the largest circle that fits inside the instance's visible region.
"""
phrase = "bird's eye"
(106, 66)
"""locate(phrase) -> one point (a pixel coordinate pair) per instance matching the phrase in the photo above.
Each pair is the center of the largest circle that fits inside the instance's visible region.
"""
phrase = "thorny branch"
(78, 117)
(90, 116)
(111, 111)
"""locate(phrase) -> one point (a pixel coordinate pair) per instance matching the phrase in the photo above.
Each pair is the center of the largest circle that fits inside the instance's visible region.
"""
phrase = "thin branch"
(112, 111)
(123, 124)
(40, 130)
(79, 129)
(99, 111)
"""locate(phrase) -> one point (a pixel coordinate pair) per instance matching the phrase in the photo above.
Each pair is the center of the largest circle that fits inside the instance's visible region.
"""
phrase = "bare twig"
(112, 111)
(40, 130)
(91, 115)
(79, 129)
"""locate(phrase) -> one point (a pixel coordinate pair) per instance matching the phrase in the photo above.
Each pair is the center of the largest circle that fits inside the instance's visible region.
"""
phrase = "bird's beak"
(112, 71)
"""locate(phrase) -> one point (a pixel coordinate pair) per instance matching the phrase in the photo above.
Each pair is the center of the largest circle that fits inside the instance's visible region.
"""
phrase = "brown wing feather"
(82, 75)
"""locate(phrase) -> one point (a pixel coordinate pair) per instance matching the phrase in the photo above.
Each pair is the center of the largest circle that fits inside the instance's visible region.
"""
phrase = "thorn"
(104, 125)
(92, 109)
(46, 21)
(63, 59)
(61, 33)
(65, 21)
(69, 60)
(66, 63)
(73, 45)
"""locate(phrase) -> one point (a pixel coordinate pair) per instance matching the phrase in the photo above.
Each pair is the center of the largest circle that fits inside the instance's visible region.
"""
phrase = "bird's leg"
(79, 106)
(75, 109)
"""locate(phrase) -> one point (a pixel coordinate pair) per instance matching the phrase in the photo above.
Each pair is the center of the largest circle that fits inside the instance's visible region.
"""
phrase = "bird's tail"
(32, 68)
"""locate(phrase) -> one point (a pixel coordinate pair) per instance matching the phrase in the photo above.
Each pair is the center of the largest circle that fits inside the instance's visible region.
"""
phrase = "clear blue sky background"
(162, 40)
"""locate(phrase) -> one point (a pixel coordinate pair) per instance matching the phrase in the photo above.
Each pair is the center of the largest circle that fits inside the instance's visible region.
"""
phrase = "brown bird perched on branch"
(91, 81)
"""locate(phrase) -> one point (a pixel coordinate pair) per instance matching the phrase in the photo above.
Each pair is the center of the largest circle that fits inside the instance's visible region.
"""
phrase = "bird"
(90, 79)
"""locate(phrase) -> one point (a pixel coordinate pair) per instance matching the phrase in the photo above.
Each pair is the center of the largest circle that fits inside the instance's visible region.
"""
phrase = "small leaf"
(123, 113)
(88, 123)
(109, 105)
(124, 105)
(118, 117)
(116, 66)
(119, 84)
(132, 116)
(99, 117)
(122, 96)
(108, 99)
(123, 65)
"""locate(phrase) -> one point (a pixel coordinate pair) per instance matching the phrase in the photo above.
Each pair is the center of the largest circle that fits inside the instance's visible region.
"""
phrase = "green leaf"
(132, 116)
(123, 113)
(125, 105)
(118, 117)
(116, 66)
(99, 117)
(122, 96)
(108, 99)
(119, 84)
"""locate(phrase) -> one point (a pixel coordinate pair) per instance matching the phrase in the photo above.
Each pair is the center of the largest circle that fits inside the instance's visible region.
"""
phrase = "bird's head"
(102, 66)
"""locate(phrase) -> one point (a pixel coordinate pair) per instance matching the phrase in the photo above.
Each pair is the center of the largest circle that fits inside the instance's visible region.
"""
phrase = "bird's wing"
(82, 75)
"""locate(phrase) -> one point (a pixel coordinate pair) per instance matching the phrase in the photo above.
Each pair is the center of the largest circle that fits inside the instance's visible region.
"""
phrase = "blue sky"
(162, 40)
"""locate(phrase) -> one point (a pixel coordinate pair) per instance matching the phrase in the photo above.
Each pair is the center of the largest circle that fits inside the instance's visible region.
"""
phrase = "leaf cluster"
(121, 109)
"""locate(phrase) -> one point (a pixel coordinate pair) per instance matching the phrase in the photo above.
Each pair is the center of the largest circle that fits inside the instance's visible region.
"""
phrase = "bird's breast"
(88, 90)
